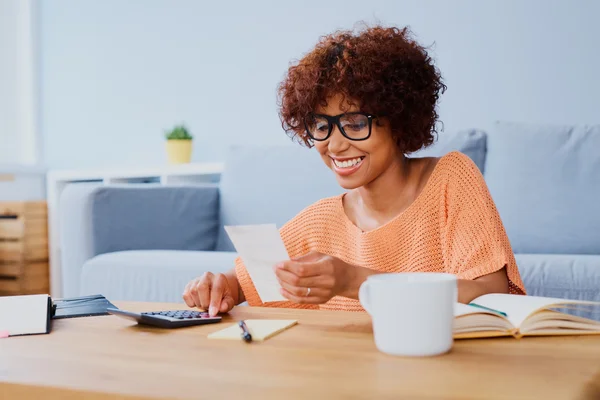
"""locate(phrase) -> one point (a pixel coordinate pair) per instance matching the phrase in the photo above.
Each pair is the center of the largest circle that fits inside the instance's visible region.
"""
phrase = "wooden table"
(327, 355)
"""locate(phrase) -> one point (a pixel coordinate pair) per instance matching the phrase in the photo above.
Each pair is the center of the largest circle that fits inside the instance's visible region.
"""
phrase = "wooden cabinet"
(23, 248)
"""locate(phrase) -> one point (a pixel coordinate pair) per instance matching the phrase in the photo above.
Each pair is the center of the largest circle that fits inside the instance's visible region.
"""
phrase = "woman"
(365, 101)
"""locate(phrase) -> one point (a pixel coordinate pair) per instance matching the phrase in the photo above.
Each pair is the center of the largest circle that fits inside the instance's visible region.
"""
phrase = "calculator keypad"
(180, 314)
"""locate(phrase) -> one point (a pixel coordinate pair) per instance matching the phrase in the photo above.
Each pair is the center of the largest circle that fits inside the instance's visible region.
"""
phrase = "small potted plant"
(179, 145)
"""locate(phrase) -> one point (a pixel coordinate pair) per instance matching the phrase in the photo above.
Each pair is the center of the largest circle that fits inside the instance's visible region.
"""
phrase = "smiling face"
(356, 163)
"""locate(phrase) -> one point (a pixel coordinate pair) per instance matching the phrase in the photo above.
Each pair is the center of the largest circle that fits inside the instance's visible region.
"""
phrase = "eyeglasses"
(354, 125)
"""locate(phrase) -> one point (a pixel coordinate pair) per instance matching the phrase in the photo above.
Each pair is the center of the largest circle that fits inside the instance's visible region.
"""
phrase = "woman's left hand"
(315, 278)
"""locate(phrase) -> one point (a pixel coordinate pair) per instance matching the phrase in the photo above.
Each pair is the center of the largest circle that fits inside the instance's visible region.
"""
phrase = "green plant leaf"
(179, 132)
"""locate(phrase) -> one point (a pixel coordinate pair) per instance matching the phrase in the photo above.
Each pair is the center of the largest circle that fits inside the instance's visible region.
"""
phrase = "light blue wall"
(116, 73)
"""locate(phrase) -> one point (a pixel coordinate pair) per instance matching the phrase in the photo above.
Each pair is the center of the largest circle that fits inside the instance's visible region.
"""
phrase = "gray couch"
(145, 242)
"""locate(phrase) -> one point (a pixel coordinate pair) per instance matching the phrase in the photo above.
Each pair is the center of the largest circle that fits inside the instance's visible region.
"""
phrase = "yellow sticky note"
(260, 329)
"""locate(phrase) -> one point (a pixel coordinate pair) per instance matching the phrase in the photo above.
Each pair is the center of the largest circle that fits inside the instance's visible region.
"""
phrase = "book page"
(461, 309)
(470, 320)
(555, 320)
(260, 247)
(519, 307)
(24, 315)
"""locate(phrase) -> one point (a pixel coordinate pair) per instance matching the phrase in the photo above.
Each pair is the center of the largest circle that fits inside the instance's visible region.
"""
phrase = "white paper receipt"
(260, 247)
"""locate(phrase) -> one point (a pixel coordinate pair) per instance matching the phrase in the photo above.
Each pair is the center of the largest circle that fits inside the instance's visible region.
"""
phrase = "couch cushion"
(170, 217)
(564, 276)
(273, 184)
(470, 142)
(545, 181)
(149, 275)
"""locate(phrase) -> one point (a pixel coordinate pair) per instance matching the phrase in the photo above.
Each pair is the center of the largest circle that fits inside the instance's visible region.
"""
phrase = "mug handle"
(363, 296)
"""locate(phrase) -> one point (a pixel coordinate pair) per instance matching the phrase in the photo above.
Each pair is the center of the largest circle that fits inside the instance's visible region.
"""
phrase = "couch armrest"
(98, 219)
(75, 216)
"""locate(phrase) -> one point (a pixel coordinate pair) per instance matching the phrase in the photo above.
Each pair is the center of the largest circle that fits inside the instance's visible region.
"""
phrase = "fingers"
(203, 289)
(310, 256)
(302, 292)
(302, 268)
(197, 291)
(209, 292)
(303, 299)
(193, 293)
(320, 281)
(227, 303)
(187, 296)
(311, 271)
(219, 286)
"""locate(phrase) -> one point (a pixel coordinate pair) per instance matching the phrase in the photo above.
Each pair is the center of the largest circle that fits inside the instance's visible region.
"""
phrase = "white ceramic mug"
(412, 313)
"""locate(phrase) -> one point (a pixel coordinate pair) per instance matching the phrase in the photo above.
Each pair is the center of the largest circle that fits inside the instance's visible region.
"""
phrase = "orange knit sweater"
(452, 226)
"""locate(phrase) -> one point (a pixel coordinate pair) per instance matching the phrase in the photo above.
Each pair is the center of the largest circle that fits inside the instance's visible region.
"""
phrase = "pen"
(489, 309)
(245, 333)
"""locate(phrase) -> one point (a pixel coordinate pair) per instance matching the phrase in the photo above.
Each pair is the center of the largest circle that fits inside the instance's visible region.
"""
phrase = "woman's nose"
(337, 142)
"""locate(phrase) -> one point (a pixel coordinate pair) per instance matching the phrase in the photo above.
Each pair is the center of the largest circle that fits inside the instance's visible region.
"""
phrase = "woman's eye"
(356, 126)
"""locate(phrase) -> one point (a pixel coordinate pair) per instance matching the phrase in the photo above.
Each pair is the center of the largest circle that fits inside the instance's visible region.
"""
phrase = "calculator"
(167, 319)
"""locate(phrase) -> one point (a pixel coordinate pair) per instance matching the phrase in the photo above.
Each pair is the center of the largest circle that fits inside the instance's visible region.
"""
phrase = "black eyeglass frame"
(335, 120)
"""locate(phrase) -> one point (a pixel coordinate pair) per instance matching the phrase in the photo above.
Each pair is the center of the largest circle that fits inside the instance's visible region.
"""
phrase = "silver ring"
(308, 292)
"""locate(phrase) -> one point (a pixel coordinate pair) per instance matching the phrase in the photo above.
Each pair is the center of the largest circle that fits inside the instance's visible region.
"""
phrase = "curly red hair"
(382, 69)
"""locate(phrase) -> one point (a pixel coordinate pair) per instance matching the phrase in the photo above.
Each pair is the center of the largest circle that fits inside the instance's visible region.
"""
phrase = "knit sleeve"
(474, 240)
(295, 246)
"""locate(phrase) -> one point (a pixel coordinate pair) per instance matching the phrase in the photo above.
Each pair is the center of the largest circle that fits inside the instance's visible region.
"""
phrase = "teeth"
(347, 163)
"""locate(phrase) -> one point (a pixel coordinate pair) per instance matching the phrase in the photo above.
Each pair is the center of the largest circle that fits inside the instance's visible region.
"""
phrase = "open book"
(524, 316)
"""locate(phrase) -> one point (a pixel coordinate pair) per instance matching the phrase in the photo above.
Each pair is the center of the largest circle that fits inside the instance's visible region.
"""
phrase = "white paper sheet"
(260, 247)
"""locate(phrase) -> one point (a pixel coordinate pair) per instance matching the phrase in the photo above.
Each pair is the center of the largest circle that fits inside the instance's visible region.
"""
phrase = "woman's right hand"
(210, 291)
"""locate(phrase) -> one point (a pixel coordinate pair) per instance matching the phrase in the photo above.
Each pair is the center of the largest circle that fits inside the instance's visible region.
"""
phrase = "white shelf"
(124, 174)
